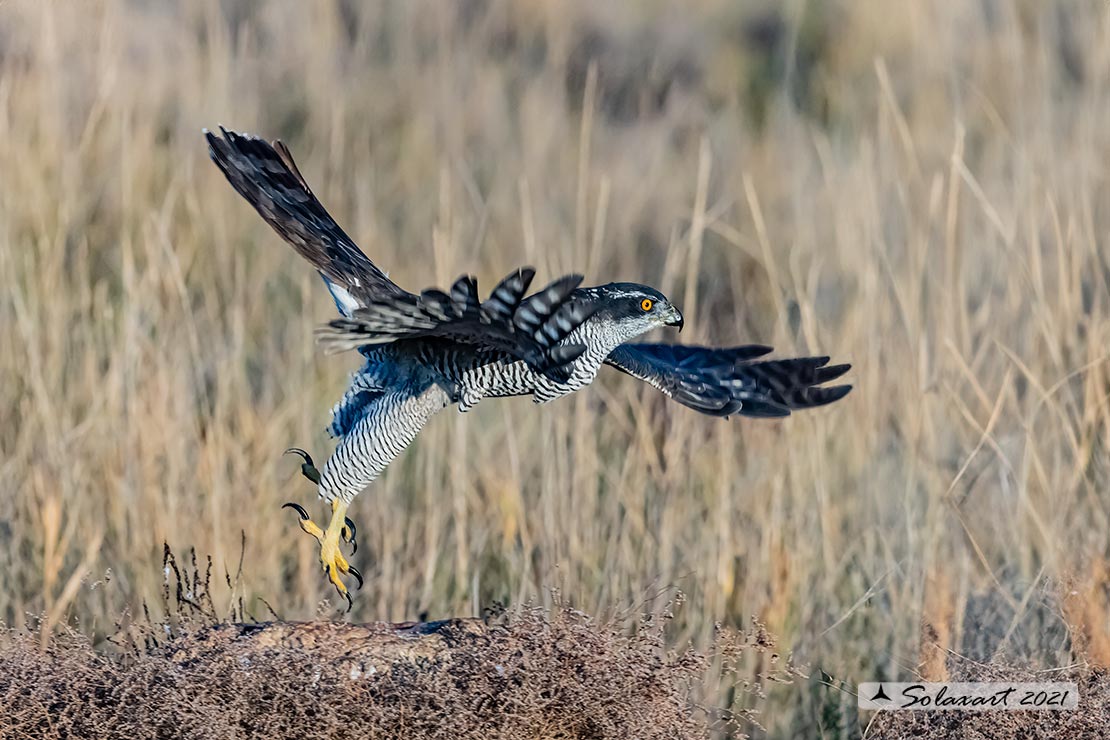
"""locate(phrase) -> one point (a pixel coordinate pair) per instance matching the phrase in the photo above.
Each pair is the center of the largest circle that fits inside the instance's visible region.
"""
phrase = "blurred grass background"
(919, 188)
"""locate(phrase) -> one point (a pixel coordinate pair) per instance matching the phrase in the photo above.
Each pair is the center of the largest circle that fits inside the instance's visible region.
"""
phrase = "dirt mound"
(534, 675)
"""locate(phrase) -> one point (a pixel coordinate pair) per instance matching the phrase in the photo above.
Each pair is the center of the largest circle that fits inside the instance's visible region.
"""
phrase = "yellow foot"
(308, 470)
(331, 559)
(334, 565)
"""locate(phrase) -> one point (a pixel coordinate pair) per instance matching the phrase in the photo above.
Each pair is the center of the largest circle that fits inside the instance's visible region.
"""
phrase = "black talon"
(308, 468)
(348, 534)
(298, 451)
(350, 601)
(354, 572)
(298, 508)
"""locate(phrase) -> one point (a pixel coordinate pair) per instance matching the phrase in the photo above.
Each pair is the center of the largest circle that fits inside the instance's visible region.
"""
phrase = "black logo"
(880, 695)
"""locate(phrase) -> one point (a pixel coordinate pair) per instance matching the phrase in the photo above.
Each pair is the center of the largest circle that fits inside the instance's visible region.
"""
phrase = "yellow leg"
(332, 560)
(308, 470)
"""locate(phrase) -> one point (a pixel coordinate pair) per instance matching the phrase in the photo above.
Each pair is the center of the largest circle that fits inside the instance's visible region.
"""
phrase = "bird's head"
(631, 309)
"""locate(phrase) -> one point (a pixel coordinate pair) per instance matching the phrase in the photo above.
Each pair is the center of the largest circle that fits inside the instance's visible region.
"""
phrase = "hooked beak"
(675, 319)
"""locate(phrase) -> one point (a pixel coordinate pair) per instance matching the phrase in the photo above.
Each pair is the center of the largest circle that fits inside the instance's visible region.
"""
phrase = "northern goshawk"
(423, 352)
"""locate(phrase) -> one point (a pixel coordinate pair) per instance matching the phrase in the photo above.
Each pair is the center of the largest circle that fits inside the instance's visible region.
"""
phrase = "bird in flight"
(423, 352)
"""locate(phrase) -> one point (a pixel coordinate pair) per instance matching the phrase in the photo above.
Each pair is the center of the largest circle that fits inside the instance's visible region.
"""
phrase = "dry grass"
(921, 191)
(519, 675)
(533, 678)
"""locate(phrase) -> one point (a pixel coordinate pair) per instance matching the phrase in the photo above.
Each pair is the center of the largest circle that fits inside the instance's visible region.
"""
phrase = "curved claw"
(354, 572)
(350, 601)
(308, 468)
(348, 534)
(306, 522)
(298, 508)
(298, 451)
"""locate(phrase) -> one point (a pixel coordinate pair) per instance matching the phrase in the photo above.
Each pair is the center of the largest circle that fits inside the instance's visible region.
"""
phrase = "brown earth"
(524, 675)
(532, 676)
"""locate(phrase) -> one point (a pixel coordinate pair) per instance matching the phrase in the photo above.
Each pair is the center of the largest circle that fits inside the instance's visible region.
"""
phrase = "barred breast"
(386, 425)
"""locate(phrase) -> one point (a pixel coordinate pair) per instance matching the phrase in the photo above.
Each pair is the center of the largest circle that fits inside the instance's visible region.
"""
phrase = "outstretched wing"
(268, 178)
(724, 382)
(531, 329)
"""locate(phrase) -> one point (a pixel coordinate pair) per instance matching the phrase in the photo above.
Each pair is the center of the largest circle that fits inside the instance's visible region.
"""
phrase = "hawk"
(423, 352)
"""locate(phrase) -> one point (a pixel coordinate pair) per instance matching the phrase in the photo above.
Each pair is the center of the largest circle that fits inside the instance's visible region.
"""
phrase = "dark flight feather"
(526, 328)
(267, 177)
(726, 382)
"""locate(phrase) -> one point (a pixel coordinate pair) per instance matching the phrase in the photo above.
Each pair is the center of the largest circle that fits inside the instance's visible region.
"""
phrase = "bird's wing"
(530, 328)
(266, 175)
(725, 381)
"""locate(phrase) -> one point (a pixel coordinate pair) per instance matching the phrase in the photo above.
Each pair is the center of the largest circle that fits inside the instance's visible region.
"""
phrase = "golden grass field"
(920, 188)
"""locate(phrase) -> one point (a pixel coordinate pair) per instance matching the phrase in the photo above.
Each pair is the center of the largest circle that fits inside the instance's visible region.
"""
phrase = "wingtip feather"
(831, 372)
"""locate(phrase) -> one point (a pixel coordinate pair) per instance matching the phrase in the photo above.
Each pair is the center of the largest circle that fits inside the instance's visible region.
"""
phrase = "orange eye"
(646, 304)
